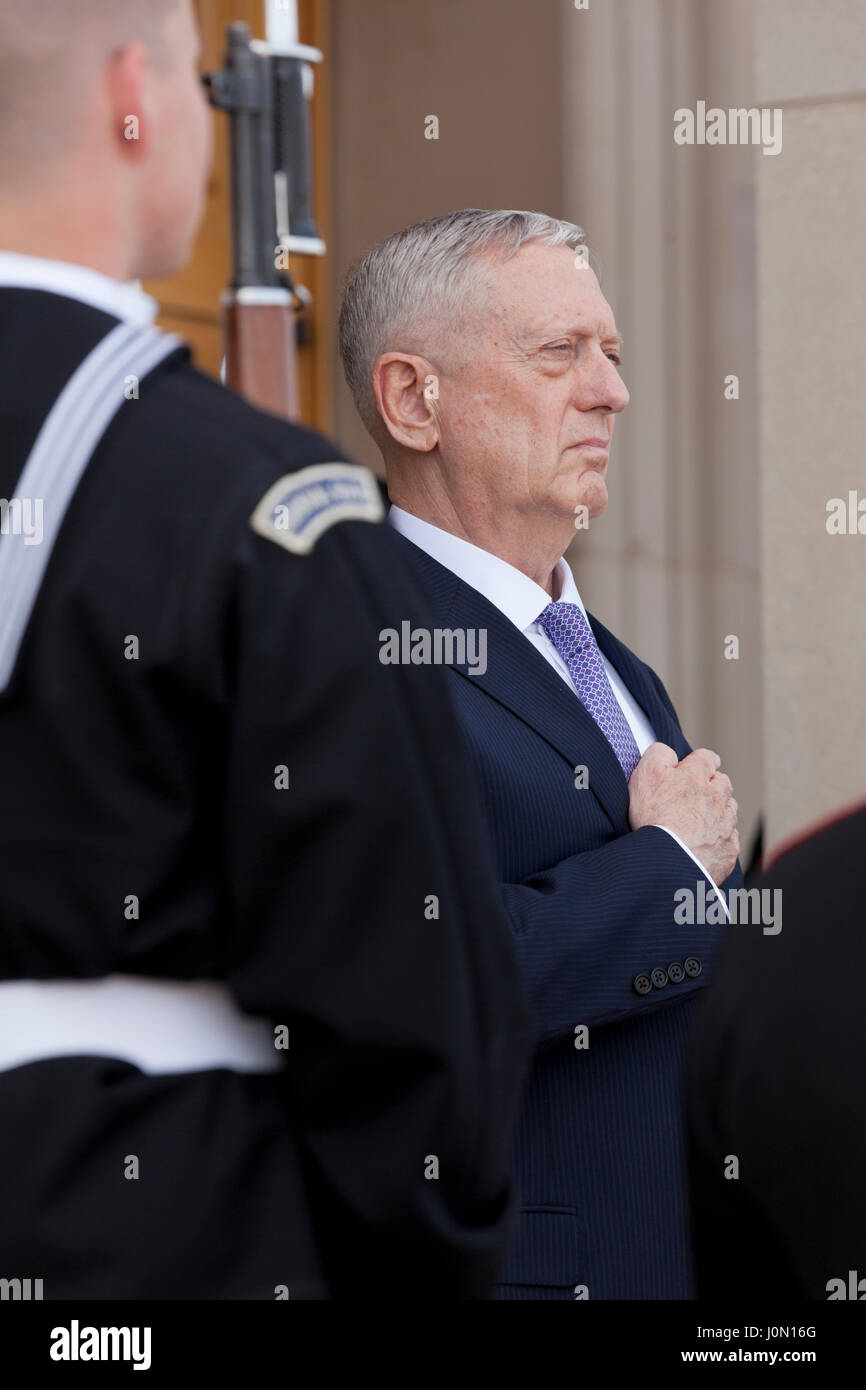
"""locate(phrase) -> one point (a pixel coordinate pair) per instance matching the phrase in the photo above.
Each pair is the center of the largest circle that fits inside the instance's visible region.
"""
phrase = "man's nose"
(602, 387)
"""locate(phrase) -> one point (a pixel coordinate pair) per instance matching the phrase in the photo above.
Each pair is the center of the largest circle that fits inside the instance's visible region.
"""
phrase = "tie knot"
(566, 626)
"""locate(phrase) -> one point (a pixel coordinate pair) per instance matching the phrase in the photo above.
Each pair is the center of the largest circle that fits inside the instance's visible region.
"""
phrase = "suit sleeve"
(695, 860)
(585, 929)
(366, 919)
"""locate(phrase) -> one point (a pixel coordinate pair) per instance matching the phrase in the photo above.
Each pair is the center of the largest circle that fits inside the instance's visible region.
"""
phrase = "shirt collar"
(516, 596)
(125, 302)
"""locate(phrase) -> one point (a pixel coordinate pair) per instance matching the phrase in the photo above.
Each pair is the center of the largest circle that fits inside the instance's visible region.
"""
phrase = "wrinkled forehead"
(546, 289)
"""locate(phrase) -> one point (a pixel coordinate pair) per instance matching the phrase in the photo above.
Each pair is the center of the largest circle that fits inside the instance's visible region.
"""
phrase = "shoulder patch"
(300, 506)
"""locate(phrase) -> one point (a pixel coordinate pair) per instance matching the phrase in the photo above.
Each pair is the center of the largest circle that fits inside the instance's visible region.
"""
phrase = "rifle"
(265, 86)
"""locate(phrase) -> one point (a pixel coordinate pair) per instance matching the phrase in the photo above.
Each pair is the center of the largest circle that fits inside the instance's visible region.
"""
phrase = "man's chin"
(593, 496)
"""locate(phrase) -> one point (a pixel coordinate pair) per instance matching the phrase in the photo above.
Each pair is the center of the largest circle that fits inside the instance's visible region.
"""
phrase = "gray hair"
(420, 278)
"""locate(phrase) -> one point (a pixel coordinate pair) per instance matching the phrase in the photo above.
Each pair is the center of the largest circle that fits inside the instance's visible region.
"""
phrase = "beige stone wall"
(672, 566)
(811, 217)
(489, 70)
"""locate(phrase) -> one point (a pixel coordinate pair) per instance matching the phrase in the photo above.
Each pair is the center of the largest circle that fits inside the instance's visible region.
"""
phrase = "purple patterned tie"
(569, 631)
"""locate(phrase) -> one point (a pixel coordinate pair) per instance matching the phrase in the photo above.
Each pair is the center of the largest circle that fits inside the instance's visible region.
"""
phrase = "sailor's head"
(105, 130)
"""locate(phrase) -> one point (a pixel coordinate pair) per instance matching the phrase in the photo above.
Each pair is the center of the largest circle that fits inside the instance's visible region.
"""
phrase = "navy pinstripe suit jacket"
(599, 1154)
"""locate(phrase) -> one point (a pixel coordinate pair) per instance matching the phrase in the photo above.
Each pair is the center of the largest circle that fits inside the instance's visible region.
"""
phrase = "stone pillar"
(811, 61)
(672, 566)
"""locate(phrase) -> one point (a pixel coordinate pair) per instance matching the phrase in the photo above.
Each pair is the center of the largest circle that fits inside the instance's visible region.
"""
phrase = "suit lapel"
(518, 677)
(639, 682)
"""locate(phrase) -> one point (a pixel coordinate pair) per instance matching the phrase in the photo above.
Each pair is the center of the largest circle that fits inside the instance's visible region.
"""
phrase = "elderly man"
(484, 361)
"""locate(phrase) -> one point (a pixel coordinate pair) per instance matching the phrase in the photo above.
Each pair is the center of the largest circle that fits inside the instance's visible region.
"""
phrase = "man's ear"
(407, 395)
(127, 81)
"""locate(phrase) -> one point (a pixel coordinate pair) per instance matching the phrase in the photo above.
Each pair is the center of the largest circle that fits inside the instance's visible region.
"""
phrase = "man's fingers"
(706, 755)
(704, 759)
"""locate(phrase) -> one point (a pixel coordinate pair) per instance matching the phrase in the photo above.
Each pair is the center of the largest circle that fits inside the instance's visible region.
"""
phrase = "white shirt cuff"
(719, 894)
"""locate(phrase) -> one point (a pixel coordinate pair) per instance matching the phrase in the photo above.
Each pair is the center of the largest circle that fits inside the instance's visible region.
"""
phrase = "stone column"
(811, 61)
(672, 566)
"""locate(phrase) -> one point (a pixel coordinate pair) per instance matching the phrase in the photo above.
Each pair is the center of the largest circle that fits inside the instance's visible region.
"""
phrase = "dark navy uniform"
(209, 775)
(776, 1082)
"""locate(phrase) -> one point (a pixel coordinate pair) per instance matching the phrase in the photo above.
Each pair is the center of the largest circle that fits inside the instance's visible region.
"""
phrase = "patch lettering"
(300, 506)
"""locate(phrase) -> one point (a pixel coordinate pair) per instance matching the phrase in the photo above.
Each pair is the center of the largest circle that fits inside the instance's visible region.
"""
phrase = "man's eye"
(615, 358)
(559, 347)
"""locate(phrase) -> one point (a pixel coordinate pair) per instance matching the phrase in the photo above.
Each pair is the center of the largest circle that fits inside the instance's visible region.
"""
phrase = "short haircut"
(50, 52)
(413, 288)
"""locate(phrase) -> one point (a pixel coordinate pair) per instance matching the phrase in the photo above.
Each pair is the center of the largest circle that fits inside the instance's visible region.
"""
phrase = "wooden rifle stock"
(261, 347)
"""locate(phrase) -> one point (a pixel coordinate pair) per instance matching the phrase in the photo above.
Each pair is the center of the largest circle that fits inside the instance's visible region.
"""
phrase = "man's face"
(529, 415)
(182, 147)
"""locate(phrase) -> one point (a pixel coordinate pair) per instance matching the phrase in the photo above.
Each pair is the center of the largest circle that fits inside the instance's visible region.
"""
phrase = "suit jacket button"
(675, 972)
(642, 984)
(659, 977)
(693, 966)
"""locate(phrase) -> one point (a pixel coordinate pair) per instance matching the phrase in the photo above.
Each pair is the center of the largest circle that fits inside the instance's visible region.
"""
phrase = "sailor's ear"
(127, 78)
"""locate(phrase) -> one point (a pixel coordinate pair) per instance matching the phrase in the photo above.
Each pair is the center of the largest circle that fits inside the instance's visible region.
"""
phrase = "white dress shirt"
(522, 601)
(126, 302)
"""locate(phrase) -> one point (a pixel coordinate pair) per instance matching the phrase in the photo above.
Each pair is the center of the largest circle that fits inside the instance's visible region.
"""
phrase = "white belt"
(160, 1026)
